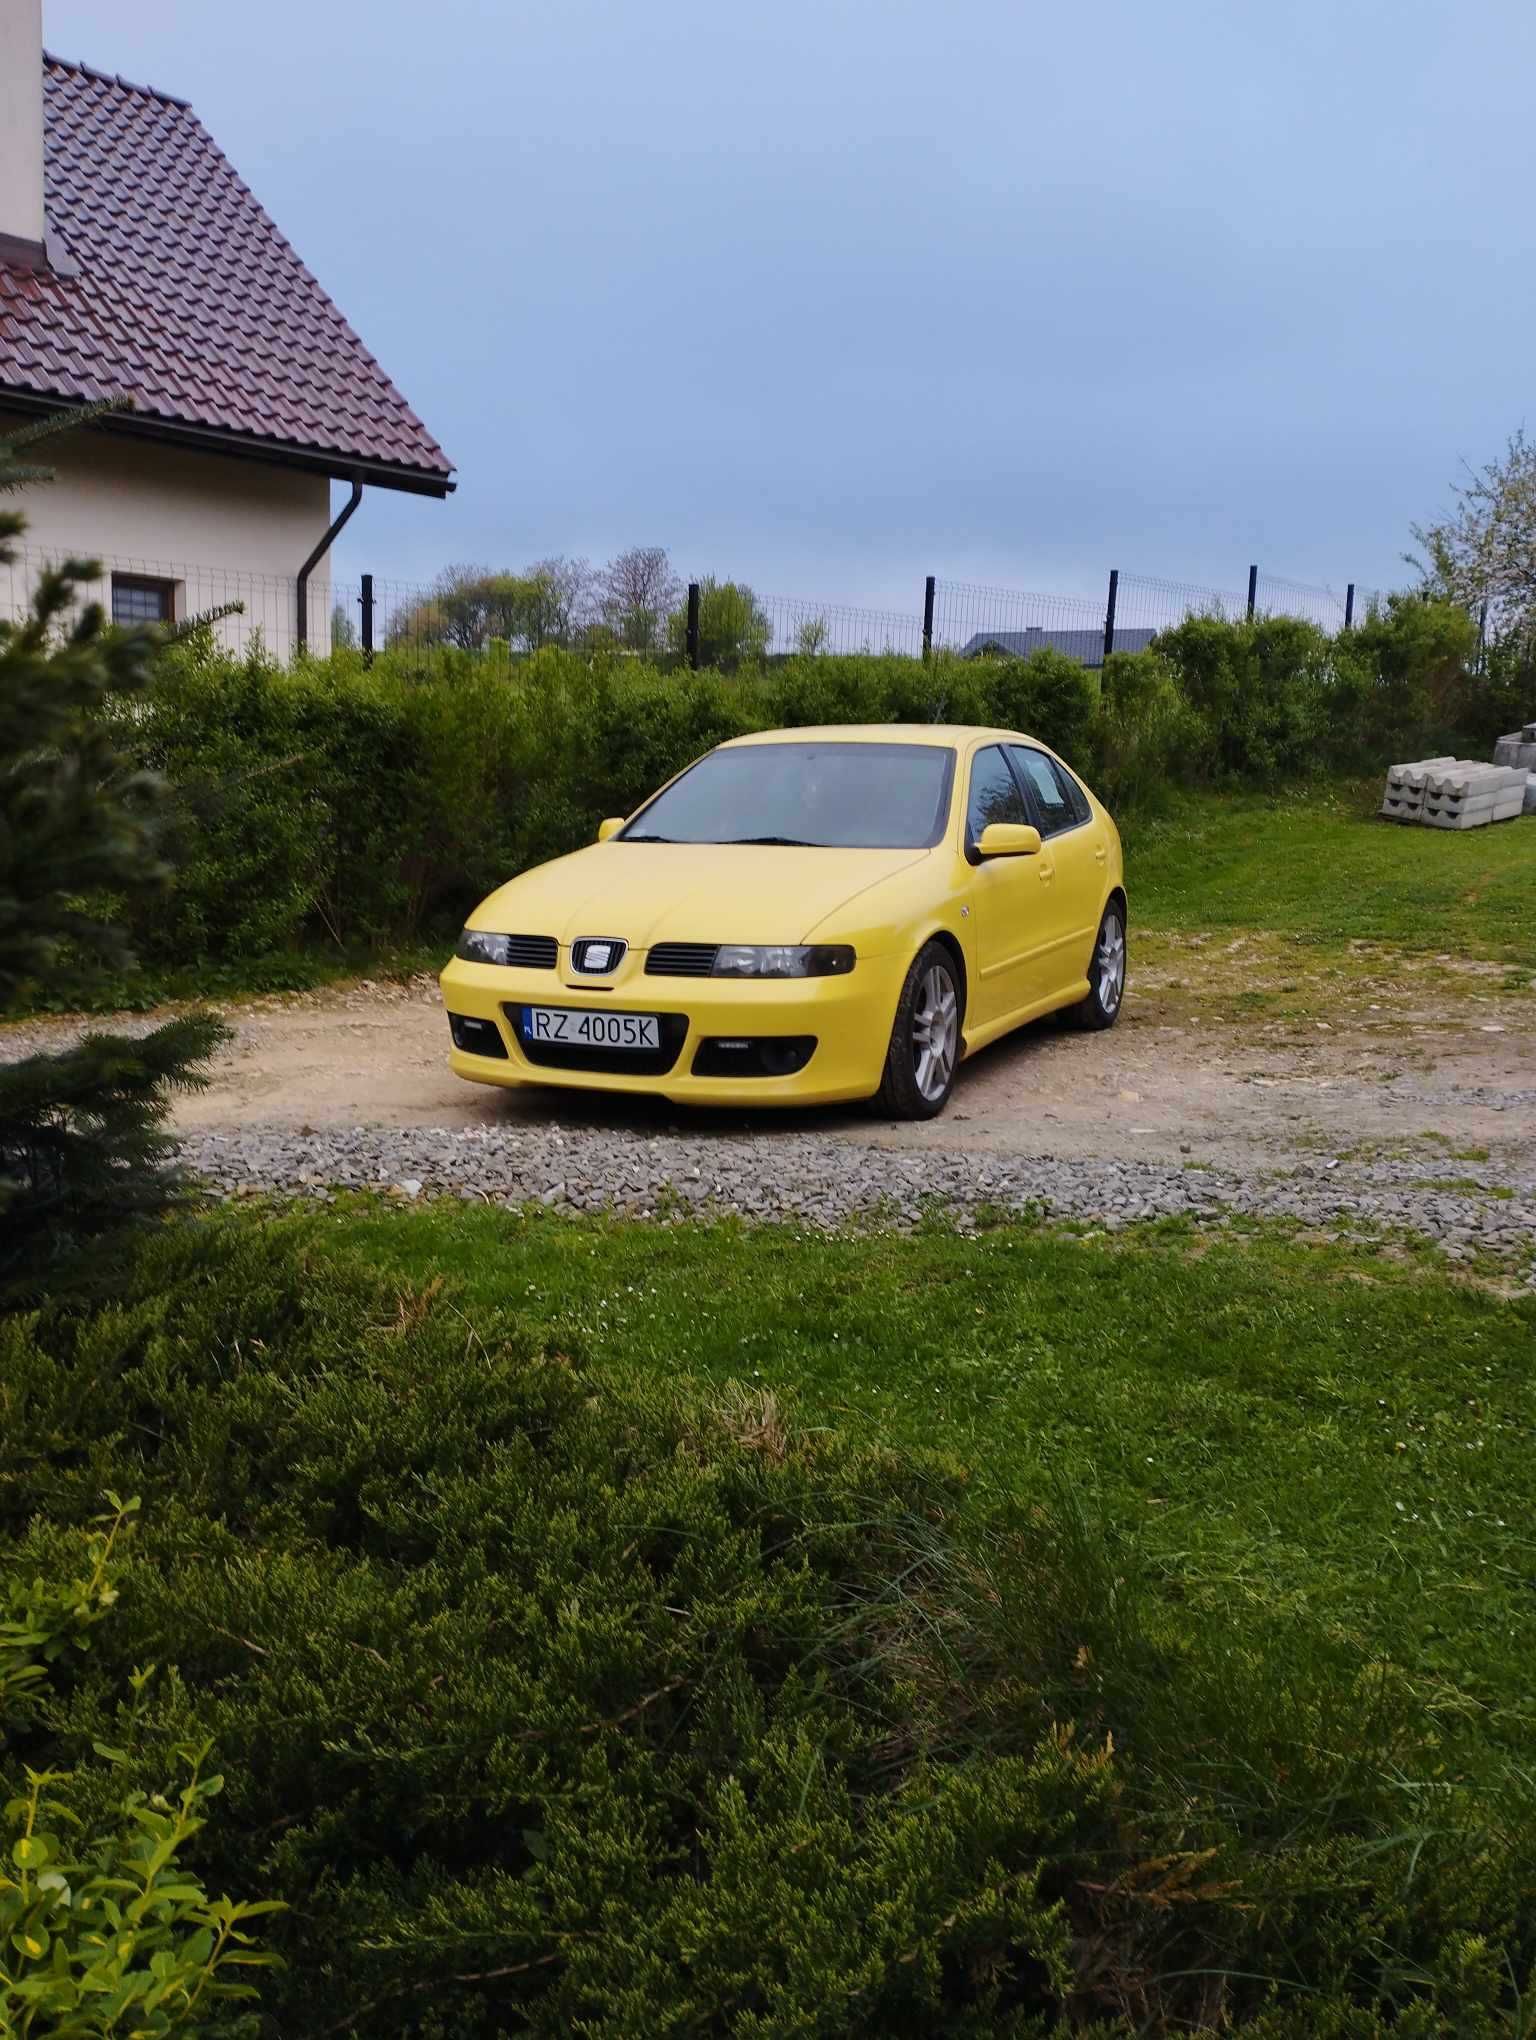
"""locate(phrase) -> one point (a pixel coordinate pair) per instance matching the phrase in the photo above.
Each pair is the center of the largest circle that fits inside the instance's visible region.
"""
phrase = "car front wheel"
(1106, 972)
(924, 1054)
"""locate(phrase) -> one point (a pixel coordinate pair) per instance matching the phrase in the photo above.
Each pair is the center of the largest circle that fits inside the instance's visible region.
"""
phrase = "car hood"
(687, 892)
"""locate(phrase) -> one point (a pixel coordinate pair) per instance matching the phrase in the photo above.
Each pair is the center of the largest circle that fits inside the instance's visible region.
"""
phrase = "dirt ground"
(1227, 1051)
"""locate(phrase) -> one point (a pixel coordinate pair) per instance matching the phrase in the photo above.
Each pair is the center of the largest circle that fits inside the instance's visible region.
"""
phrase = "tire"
(1106, 972)
(920, 1075)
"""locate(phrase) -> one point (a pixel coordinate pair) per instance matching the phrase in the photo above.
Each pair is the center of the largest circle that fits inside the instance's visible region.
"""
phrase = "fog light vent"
(762, 1055)
(477, 1037)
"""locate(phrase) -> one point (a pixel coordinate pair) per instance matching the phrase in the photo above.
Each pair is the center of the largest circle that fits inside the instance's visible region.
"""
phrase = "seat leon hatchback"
(802, 916)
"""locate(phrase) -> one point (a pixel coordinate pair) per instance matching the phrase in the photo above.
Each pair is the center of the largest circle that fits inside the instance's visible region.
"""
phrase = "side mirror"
(1008, 839)
(611, 827)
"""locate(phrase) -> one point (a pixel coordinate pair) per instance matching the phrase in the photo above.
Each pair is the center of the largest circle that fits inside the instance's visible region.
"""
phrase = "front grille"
(681, 959)
(532, 952)
(611, 1062)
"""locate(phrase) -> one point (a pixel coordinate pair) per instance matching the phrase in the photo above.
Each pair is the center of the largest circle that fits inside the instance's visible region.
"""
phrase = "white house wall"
(221, 530)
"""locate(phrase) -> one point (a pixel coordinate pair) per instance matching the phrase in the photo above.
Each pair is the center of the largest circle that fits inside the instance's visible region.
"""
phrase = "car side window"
(1055, 796)
(995, 795)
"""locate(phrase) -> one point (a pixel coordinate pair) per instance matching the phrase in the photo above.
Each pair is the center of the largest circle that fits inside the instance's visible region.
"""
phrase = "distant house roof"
(1086, 646)
(168, 283)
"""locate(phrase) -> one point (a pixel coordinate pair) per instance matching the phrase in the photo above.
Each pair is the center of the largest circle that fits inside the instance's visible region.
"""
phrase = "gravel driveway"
(1415, 1113)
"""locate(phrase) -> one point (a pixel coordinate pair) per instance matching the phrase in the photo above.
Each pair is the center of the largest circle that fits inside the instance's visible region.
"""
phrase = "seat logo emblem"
(598, 955)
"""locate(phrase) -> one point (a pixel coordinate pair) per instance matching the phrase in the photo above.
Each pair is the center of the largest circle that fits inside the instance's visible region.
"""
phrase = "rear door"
(1073, 862)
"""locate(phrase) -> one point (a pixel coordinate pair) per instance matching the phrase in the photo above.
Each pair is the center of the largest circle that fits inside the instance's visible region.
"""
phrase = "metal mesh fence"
(800, 626)
(260, 608)
(733, 625)
(969, 618)
(1323, 606)
(1146, 604)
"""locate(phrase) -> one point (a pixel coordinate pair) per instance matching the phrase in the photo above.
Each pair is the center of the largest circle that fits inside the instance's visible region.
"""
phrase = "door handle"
(1047, 872)
(1100, 855)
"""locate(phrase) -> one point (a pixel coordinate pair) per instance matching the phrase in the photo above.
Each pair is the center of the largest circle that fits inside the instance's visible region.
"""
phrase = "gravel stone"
(827, 1183)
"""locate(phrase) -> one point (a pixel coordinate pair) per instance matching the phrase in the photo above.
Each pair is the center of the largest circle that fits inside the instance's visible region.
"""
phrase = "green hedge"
(552, 1701)
(328, 802)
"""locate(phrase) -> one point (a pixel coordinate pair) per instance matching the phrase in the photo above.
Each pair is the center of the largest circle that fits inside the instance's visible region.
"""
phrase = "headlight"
(475, 946)
(777, 960)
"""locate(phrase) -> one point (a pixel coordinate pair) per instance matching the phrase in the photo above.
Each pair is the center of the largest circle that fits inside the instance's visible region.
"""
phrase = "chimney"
(22, 229)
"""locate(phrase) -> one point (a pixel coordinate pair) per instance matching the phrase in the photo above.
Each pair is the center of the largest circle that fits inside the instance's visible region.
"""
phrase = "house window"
(138, 598)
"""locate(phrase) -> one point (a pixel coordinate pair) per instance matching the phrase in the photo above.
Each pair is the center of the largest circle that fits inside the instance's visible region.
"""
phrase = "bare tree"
(567, 603)
(1485, 551)
(639, 591)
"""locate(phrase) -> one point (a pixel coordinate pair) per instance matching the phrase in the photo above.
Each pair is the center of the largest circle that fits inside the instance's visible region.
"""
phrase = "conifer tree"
(83, 1143)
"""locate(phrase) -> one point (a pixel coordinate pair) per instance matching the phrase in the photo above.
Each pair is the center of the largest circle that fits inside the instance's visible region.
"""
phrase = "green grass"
(1293, 1439)
(633, 1630)
(1318, 865)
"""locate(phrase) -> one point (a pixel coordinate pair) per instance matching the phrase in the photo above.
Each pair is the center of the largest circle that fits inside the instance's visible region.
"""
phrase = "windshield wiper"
(787, 842)
(647, 839)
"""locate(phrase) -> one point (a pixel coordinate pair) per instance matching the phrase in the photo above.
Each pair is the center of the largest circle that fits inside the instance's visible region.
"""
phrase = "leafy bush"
(734, 628)
(555, 1701)
(1260, 689)
(1406, 672)
(374, 806)
(106, 1932)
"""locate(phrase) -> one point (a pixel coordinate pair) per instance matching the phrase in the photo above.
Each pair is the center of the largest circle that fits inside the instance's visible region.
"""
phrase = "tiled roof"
(184, 294)
(1086, 646)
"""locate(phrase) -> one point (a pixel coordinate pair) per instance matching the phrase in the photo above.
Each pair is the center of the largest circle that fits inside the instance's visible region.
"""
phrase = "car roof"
(953, 736)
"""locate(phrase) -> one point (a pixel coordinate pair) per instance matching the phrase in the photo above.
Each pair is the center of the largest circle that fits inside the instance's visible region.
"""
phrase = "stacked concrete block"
(1530, 793)
(1403, 800)
(1518, 749)
(1470, 796)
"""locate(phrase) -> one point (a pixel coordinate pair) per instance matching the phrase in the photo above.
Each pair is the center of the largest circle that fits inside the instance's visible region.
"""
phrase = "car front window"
(840, 796)
(995, 795)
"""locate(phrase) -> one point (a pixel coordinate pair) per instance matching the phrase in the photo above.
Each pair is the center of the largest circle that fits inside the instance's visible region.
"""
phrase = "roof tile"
(187, 296)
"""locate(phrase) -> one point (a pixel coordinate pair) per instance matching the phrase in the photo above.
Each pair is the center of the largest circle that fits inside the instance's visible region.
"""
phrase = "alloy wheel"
(936, 1031)
(1109, 963)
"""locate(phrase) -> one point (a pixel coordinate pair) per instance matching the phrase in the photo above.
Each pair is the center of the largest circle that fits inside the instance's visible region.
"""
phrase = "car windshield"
(833, 796)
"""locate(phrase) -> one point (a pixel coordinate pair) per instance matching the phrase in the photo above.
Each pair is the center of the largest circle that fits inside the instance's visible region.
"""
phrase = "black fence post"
(928, 618)
(693, 625)
(365, 603)
(1253, 590)
(1109, 611)
(1349, 606)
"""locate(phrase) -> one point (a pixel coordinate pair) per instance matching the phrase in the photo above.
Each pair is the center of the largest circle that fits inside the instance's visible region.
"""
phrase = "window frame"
(1071, 791)
(161, 584)
(999, 745)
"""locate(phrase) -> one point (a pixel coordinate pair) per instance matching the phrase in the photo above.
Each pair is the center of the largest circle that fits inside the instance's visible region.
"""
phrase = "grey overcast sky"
(832, 293)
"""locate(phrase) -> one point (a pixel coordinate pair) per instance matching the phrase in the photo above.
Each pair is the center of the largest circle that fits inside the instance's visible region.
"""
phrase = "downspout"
(314, 560)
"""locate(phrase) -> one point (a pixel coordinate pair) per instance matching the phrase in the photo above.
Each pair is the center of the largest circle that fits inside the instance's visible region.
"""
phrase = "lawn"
(1286, 1438)
(628, 1629)
(1320, 866)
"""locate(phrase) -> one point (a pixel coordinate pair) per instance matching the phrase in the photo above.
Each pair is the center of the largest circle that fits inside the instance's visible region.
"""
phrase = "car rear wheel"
(1106, 972)
(924, 1054)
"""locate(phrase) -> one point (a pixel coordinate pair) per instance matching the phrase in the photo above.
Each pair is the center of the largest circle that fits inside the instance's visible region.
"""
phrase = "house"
(135, 263)
(1086, 646)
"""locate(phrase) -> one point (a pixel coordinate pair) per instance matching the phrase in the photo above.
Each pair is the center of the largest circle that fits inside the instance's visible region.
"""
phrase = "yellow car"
(801, 916)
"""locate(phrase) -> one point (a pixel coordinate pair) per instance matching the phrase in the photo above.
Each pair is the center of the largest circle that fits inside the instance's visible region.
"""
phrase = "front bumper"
(850, 1018)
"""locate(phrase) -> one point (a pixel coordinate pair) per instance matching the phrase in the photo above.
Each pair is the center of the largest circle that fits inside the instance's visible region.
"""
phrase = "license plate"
(638, 1031)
